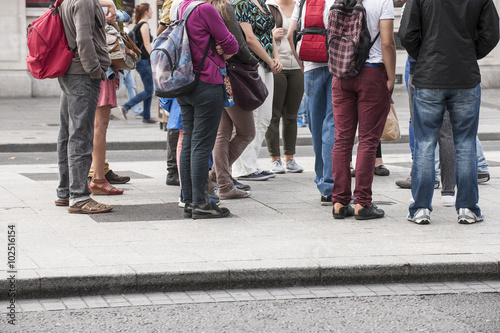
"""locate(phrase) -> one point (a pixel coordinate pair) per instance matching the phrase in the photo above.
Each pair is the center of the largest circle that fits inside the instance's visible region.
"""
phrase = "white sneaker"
(277, 167)
(422, 216)
(465, 216)
(292, 166)
(448, 200)
(411, 200)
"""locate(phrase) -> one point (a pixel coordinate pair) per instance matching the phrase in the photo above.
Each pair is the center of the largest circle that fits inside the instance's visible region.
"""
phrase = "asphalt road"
(428, 313)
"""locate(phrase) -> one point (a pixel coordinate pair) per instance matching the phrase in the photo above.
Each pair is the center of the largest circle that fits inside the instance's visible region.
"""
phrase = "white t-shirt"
(377, 10)
(309, 65)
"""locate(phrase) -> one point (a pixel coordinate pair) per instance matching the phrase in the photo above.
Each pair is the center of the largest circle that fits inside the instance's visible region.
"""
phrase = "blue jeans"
(410, 88)
(302, 114)
(482, 165)
(319, 110)
(146, 96)
(127, 79)
(79, 99)
(201, 112)
(429, 106)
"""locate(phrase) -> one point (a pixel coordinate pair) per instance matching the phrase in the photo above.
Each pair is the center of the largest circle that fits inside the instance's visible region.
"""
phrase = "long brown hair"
(220, 5)
(140, 11)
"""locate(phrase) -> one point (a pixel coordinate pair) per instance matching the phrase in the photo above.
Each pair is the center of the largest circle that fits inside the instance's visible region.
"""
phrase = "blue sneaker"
(301, 123)
(215, 199)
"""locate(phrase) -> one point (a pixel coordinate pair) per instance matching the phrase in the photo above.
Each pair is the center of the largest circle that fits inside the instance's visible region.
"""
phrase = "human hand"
(279, 33)
(277, 66)
(218, 49)
(111, 18)
(390, 85)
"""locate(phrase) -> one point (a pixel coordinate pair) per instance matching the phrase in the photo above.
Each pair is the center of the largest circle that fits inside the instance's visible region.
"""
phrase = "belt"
(371, 64)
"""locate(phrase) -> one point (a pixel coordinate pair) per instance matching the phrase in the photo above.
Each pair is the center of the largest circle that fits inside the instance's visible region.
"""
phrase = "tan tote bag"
(391, 129)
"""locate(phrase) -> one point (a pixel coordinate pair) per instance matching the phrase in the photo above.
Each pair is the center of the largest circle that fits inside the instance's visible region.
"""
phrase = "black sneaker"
(326, 200)
(341, 211)
(483, 177)
(255, 176)
(173, 179)
(241, 186)
(268, 174)
(210, 211)
(188, 210)
(368, 213)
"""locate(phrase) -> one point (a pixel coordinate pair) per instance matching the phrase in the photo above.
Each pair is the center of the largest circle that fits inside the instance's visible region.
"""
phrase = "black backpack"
(134, 33)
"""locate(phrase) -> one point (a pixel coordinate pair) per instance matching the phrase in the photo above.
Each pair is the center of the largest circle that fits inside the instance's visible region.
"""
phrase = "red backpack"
(313, 32)
(49, 55)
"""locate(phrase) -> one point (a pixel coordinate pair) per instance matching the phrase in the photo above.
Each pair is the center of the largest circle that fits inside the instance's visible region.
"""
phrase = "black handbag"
(249, 91)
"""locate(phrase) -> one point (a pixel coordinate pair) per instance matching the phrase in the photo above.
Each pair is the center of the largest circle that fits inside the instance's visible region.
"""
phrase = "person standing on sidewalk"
(318, 91)
(363, 103)
(257, 23)
(446, 38)
(236, 127)
(201, 109)
(288, 92)
(83, 22)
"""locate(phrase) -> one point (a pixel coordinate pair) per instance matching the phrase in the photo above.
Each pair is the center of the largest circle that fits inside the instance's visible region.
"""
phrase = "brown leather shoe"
(113, 178)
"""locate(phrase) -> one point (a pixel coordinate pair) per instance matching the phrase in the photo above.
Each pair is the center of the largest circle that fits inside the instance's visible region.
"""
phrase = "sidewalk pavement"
(281, 235)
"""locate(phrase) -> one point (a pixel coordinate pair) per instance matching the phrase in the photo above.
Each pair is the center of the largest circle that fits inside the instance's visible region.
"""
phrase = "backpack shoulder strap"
(277, 16)
(301, 7)
(189, 10)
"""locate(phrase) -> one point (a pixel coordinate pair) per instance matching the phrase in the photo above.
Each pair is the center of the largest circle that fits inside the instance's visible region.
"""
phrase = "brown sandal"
(103, 187)
(89, 206)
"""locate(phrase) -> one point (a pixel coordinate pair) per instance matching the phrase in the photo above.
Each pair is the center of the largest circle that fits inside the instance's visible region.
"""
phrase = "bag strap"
(277, 16)
(56, 4)
(185, 16)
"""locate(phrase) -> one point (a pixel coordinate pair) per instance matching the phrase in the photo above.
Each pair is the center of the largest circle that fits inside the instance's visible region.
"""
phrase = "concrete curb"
(161, 145)
(251, 274)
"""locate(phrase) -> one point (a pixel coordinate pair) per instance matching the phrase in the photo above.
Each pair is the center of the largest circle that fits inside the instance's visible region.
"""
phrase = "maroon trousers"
(362, 102)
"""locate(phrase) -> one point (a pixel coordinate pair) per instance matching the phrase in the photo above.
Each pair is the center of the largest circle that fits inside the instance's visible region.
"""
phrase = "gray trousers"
(79, 99)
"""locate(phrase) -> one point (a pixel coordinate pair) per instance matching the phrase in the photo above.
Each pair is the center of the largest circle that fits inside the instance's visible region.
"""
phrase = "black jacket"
(447, 37)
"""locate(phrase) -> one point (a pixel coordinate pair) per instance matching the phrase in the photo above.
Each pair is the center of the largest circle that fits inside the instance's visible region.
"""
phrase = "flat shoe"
(89, 206)
(113, 178)
(381, 170)
(341, 211)
(62, 202)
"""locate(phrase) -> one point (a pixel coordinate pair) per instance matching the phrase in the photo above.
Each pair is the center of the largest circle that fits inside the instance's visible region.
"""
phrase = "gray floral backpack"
(171, 62)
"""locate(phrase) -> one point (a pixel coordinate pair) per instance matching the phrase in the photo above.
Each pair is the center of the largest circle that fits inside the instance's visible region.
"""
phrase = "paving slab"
(279, 237)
